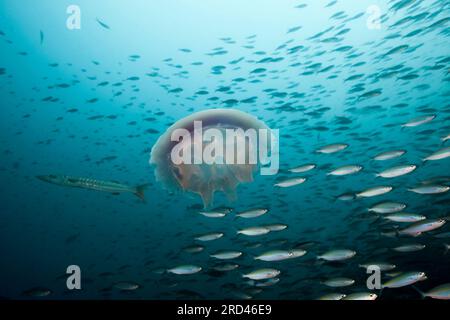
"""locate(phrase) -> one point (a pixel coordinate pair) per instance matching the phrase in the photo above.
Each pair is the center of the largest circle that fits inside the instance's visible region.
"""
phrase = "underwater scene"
(340, 110)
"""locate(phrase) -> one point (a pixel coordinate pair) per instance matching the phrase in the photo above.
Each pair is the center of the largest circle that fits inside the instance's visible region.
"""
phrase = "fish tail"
(422, 294)
(139, 191)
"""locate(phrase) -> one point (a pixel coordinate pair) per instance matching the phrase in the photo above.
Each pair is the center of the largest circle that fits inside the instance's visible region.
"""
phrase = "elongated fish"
(93, 184)
(387, 207)
(441, 292)
(261, 274)
(422, 226)
(419, 121)
(430, 189)
(253, 213)
(375, 191)
(303, 168)
(290, 182)
(337, 255)
(405, 217)
(439, 155)
(332, 148)
(226, 255)
(333, 296)
(279, 255)
(405, 279)
(389, 155)
(361, 296)
(345, 170)
(185, 269)
(397, 171)
(339, 282)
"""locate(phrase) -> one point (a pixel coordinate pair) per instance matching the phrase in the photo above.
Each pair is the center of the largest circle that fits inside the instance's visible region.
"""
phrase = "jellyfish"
(180, 160)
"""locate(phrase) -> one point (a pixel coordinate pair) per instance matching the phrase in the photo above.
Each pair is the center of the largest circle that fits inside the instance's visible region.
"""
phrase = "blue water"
(91, 102)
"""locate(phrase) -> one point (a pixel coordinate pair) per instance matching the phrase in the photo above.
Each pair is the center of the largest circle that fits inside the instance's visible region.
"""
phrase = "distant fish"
(441, 292)
(41, 37)
(332, 148)
(375, 191)
(104, 25)
(253, 213)
(37, 292)
(338, 282)
(361, 296)
(420, 227)
(382, 265)
(439, 155)
(389, 155)
(126, 286)
(397, 171)
(409, 247)
(333, 296)
(279, 255)
(405, 217)
(290, 182)
(262, 274)
(303, 168)
(185, 270)
(337, 255)
(210, 236)
(387, 207)
(254, 231)
(345, 170)
(93, 184)
(430, 189)
(405, 279)
(419, 121)
(226, 255)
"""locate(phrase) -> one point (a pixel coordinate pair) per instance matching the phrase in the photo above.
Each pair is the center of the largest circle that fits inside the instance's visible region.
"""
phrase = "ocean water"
(92, 101)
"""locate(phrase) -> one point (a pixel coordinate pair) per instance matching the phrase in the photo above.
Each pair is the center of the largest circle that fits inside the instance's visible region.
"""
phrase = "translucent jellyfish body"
(209, 151)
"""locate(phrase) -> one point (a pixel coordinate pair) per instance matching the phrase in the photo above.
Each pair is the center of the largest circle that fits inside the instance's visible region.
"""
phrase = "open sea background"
(92, 102)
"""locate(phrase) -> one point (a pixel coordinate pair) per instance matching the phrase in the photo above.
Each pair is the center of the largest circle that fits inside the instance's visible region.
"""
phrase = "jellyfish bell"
(212, 150)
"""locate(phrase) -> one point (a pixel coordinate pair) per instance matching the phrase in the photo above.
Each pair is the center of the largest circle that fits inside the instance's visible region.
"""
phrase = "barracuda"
(93, 184)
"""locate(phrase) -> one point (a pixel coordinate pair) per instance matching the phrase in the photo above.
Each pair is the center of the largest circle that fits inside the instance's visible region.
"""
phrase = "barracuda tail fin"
(139, 191)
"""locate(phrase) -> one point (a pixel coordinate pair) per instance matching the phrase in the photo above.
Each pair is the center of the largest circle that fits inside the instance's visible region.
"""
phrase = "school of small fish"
(341, 201)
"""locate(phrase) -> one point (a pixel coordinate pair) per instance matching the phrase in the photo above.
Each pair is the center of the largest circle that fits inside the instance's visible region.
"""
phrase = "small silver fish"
(419, 121)
(345, 170)
(279, 255)
(339, 282)
(430, 189)
(397, 171)
(439, 155)
(375, 191)
(290, 182)
(441, 292)
(226, 255)
(303, 168)
(185, 269)
(337, 255)
(409, 247)
(332, 148)
(387, 207)
(361, 296)
(422, 226)
(210, 236)
(333, 296)
(389, 155)
(405, 279)
(253, 213)
(261, 274)
(254, 231)
(404, 217)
